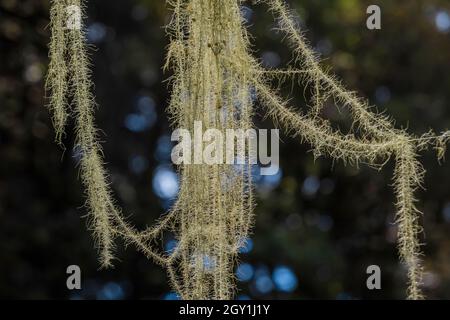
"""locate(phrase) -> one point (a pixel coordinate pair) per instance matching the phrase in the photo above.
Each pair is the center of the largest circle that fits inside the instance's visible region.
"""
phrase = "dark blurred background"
(318, 224)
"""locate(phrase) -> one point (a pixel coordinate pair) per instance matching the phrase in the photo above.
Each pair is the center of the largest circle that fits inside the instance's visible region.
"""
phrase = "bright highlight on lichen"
(214, 81)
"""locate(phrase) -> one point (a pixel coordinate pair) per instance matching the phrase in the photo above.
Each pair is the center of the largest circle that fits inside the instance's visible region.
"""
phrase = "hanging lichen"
(215, 79)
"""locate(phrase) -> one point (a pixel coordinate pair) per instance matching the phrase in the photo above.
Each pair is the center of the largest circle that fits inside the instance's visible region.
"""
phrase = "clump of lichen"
(214, 81)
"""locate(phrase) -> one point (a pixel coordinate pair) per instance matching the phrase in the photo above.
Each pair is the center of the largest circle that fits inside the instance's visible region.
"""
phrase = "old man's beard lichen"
(215, 81)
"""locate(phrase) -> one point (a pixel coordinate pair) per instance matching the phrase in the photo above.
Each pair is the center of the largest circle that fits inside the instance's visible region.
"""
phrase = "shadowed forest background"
(318, 224)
